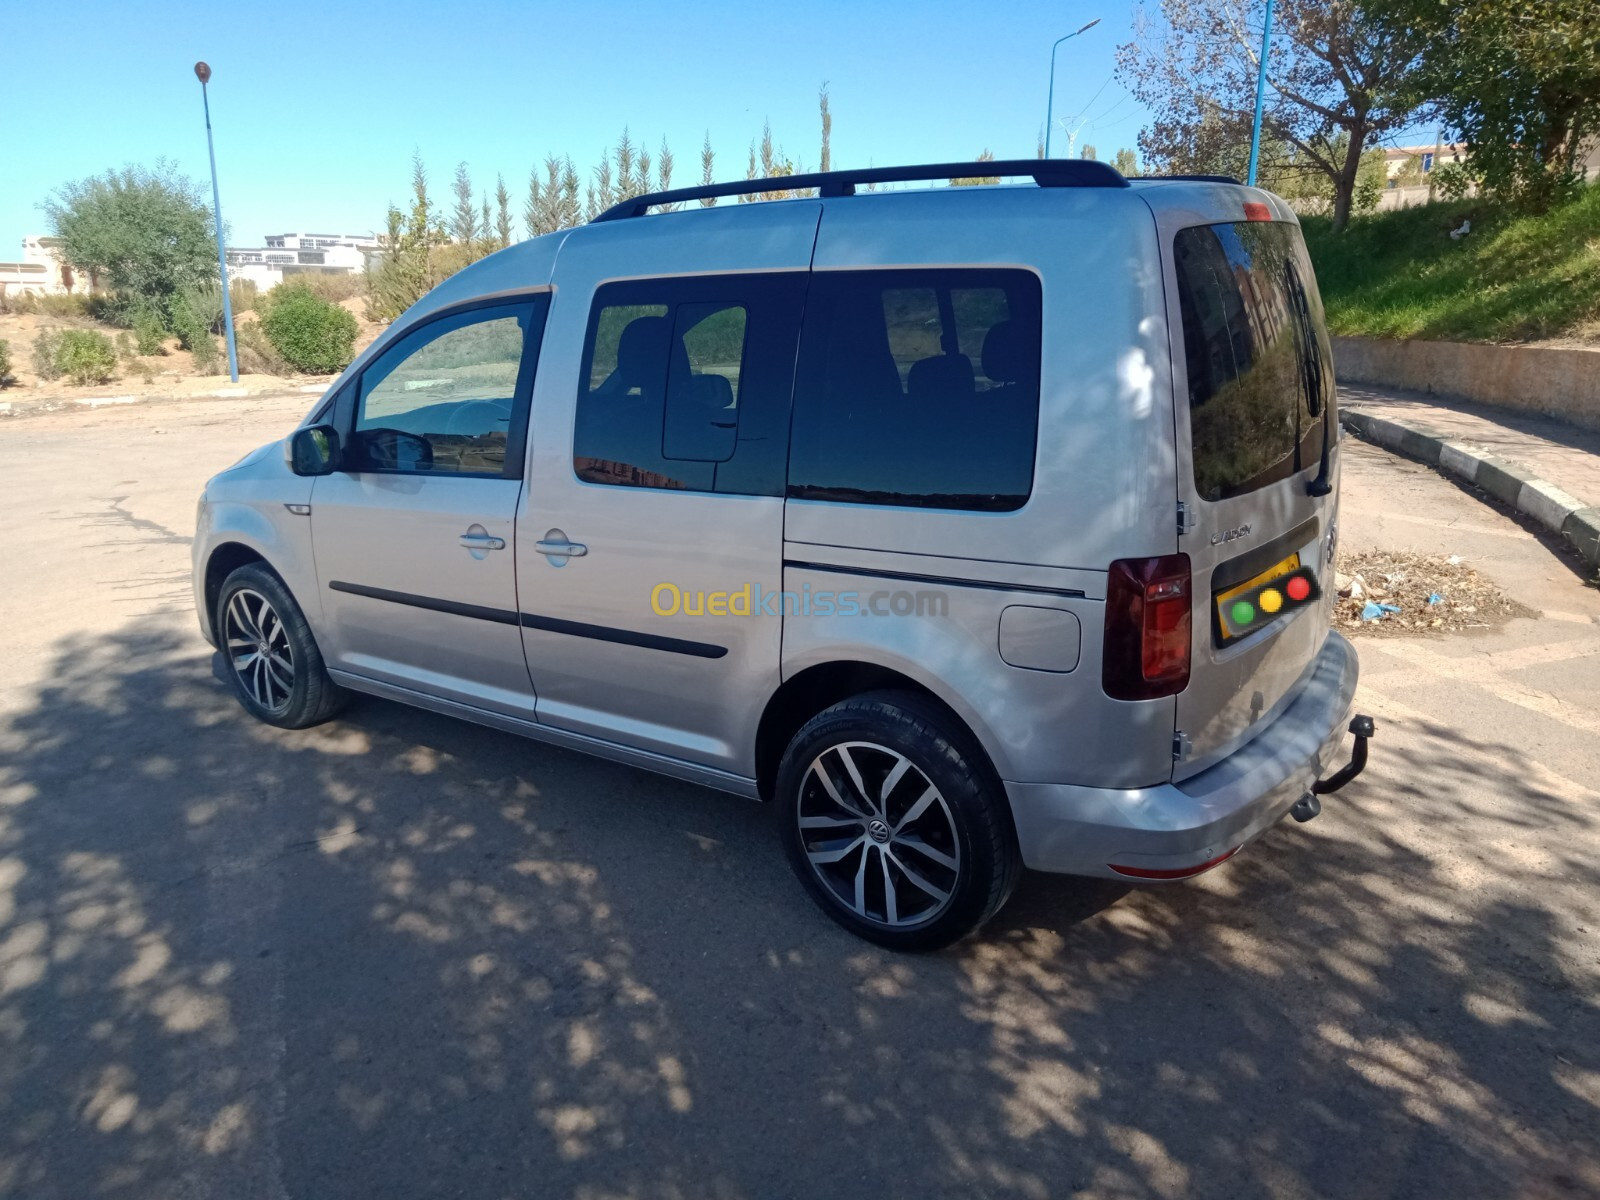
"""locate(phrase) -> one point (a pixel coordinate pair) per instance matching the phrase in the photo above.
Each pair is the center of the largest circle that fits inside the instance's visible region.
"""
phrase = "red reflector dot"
(1298, 588)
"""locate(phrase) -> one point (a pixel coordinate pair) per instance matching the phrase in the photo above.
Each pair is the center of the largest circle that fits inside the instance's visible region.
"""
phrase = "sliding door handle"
(561, 549)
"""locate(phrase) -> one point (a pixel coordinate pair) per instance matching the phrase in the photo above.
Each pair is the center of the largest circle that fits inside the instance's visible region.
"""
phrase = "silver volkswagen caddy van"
(972, 528)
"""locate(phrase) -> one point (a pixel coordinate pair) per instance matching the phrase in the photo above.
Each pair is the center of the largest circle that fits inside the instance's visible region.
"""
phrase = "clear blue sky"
(318, 106)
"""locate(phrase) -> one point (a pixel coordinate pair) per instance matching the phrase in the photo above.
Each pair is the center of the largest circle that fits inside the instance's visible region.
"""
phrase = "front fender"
(266, 529)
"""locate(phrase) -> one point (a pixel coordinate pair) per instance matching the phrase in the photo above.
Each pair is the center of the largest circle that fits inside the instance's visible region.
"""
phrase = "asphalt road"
(400, 956)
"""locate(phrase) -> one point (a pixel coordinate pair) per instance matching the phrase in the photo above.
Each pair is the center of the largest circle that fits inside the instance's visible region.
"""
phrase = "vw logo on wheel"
(878, 831)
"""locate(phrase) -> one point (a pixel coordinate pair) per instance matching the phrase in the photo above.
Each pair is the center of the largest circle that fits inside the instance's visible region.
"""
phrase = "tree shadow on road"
(400, 955)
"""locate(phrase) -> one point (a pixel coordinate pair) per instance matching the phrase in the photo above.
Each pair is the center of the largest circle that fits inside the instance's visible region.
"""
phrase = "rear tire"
(894, 822)
(268, 652)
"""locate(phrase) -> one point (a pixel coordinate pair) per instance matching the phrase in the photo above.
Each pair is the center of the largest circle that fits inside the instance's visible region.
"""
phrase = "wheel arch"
(226, 558)
(821, 685)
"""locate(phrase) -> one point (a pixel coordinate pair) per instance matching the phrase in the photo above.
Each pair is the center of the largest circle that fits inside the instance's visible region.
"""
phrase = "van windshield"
(1258, 360)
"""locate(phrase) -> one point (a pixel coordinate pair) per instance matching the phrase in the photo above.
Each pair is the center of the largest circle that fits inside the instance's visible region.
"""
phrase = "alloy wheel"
(878, 834)
(258, 648)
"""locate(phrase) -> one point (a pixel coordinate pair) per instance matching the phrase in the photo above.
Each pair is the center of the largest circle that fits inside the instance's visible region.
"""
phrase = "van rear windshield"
(1259, 364)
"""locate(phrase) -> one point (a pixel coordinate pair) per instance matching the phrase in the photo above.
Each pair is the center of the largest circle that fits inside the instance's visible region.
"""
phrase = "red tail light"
(1148, 628)
(1254, 210)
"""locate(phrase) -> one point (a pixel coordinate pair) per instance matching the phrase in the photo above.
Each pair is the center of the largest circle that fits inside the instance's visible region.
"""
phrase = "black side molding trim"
(625, 637)
(944, 580)
(501, 616)
(504, 616)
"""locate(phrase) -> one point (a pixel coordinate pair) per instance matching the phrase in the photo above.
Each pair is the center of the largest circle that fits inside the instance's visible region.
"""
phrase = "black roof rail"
(1197, 178)
(1046, 172)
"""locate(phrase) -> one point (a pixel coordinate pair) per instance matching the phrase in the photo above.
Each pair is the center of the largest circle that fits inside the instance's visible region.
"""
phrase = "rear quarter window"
(918, 388)
(1256, 354)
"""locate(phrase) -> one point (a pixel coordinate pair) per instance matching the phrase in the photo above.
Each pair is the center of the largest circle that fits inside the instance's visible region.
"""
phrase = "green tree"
(552, 201)
(627, 184)
(707, 173)
(603, 194)
(502, 219)
(1339, 78)
(144, 231)
(503, 224)
(464, 216)
(571, 210)
(768, 162)
(411, 263)
(1089, 152)
(976, 180)
(1126, 162)
(1518, 80)
(827, 128)
(664, 173)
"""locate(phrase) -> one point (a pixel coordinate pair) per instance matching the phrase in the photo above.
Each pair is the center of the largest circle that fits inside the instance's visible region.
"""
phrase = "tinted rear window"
(1259, 364)
(918, 388)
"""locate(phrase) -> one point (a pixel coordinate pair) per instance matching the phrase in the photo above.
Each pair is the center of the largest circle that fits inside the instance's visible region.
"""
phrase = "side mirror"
(314, 450)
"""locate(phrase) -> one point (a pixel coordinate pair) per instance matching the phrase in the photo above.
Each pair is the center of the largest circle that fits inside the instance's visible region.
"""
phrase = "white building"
(40, 271)
(300, 253)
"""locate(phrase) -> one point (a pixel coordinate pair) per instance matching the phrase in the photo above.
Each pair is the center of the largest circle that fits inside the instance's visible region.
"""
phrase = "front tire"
(270, 657)
(893, 821)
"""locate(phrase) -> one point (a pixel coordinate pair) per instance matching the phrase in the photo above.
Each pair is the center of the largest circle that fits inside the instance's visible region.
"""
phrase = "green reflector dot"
(1243, 613)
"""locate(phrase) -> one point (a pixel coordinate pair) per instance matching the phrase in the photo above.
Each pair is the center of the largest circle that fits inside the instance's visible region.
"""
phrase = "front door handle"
(482, 541)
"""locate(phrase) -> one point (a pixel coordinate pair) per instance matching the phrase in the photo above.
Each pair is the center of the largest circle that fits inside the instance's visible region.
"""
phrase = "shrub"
(204, 303)
(187, 324)
(245, 295)
(86, 357)
(45, 348)
(149, 335)
(330, 286)
(203, 349)
(256, 354)
(310, 333)
(109, 308)
(64, 304)
(5, 364)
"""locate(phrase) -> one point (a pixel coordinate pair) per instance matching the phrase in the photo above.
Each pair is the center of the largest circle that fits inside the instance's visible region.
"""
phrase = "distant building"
(288, 254)
(1422, 159)
(41, 272)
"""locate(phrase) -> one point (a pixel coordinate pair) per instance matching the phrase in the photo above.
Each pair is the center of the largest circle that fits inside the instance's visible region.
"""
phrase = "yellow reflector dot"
(1271, 600)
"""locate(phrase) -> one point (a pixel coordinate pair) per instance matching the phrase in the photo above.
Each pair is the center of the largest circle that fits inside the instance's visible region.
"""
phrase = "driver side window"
(449, 397)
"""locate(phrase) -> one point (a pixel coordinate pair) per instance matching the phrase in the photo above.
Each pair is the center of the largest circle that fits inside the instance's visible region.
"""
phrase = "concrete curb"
(26, 405)
(1558, 511)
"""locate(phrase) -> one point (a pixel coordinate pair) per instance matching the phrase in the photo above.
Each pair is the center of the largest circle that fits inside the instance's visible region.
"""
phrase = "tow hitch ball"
(1309, 805)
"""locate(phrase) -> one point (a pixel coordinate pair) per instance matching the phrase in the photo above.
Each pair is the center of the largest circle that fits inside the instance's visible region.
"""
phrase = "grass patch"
(1513, 278)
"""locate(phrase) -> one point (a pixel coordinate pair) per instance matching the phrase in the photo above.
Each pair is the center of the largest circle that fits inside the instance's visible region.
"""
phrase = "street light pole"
(202, 72)
(1261, 89)
(1050, 101)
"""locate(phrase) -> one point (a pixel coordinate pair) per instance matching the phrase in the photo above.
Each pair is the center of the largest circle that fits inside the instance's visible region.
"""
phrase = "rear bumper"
(1173, 828)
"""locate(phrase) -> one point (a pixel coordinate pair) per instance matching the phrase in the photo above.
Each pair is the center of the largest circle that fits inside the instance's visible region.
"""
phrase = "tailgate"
(1254, 396)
